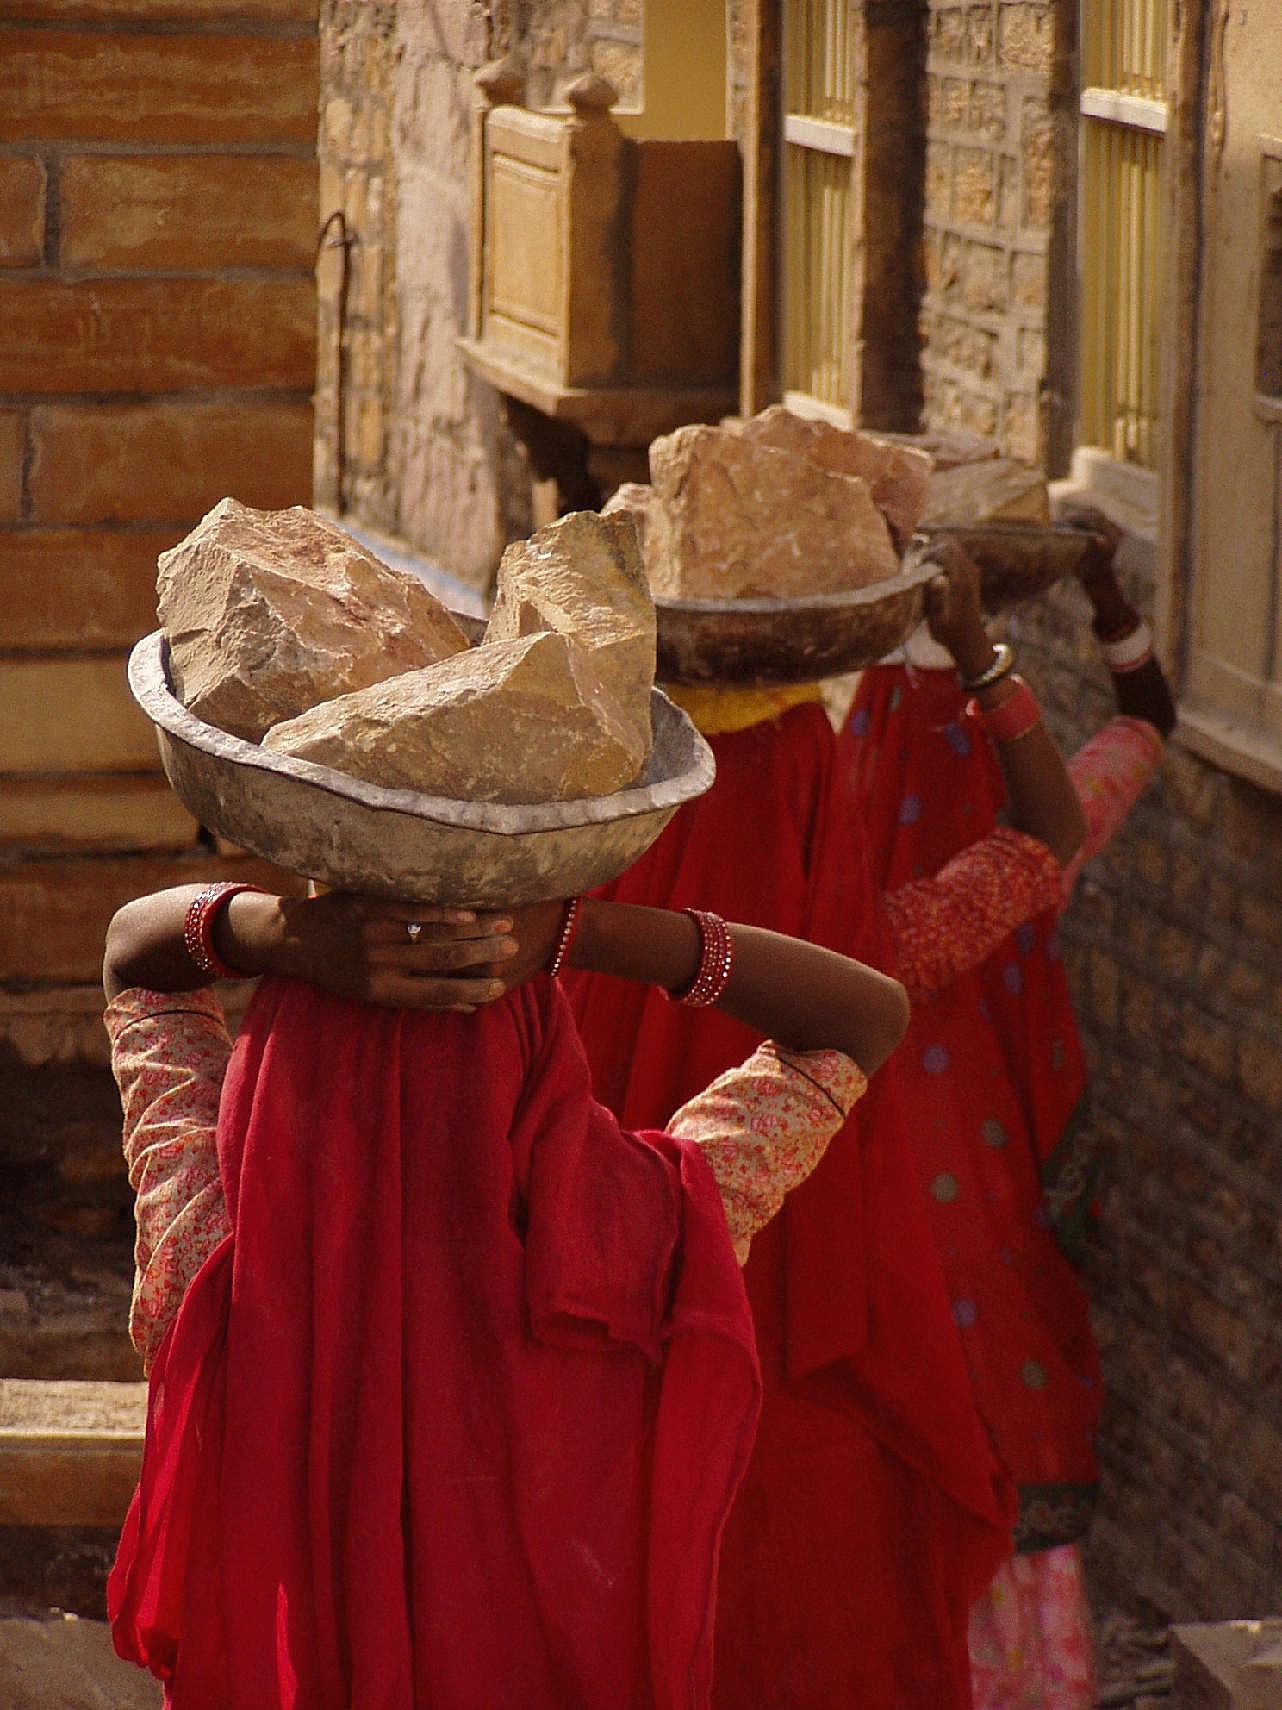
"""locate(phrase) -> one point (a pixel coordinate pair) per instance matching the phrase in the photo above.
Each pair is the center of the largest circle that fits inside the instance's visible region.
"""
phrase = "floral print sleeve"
(1110, 774)
(169, 1054)
(764, 1126)
(948, 924)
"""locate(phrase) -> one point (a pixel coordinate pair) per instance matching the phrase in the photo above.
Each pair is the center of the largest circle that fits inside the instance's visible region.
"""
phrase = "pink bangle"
(716, 960)
(569, 926)
(198, 928)
(1015, 717)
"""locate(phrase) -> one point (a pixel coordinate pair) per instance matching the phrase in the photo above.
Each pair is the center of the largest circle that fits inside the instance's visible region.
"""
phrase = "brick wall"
(1174, 944)
(996, 80)
(156, 174)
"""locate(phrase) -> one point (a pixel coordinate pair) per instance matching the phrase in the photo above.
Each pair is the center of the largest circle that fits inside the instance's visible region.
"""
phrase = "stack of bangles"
(198, 929)
(716, 961)
(1128, 650)
(569, 926)
(1016, 713)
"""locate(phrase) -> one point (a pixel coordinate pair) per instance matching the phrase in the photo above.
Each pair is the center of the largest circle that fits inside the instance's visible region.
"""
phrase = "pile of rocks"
(284, 631)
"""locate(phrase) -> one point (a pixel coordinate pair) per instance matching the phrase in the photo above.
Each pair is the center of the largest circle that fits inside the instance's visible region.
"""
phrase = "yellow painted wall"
(684, 80)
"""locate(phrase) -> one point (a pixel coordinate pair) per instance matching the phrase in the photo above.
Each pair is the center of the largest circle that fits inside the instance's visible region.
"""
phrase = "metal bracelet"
(1003, 663)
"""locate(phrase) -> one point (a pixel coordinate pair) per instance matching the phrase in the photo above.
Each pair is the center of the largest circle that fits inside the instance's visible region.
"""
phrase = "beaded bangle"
(569, 926)
(1003, 663)
(716, 960)
(1129, 652)
(1015, 717)
(198, 928)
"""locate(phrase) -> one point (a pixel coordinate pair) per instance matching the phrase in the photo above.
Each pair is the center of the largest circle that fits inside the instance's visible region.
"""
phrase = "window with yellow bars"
(819, 142)
(1123, 105)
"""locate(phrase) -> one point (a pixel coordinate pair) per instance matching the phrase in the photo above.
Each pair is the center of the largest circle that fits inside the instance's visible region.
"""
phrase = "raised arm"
(805, 997)
(1040, 797)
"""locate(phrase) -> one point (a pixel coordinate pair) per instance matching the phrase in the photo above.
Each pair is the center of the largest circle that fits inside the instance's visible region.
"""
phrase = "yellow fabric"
(717, 710)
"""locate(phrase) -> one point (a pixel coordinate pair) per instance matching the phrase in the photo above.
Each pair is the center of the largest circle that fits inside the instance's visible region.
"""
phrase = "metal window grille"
(1123, 126)
(819, 139)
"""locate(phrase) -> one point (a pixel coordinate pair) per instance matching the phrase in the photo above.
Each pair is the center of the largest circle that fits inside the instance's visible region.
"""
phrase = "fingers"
(443, 956)
(398, 990)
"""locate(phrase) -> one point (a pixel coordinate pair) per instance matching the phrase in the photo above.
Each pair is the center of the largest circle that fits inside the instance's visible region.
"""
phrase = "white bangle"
(1131, 651)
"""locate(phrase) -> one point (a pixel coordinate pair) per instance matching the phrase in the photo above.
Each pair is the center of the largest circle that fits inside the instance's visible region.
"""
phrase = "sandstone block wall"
(998, 77)
(1174, 943)
(157, 180)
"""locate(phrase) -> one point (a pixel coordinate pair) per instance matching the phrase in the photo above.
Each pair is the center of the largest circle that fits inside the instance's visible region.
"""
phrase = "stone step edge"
(70, 1451)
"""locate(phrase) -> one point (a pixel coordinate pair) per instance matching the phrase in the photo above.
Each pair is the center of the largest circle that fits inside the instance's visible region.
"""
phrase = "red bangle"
(1015, 717)
(569, 926)
(716, 960)
(198, 928)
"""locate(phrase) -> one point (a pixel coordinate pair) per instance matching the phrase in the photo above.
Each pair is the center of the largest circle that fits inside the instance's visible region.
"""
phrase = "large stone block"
(268, 613)
(12, 429)
(70, 588)
(267, 12)
(583, 576)
(528, 720)
(187, 211)
(166, 461)
(156, 335)
(71, 715)
(22, 212)
(93, 812)
(896, 474)
(732, 518)
(996, 490)
(140, 88)
(1228, 1665)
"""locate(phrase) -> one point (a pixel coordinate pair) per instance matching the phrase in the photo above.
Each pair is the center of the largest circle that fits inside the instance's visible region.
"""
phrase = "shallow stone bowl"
(756, 642)
(1017, 560)
(313, 820)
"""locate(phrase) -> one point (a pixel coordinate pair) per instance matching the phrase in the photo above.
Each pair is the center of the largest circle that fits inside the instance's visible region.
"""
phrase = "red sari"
(455, 1414)
(872, 1512)
(993, 1081)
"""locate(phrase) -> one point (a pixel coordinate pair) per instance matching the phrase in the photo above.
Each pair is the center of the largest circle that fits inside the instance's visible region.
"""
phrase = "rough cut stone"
(896, 474)
(269, 612)
(948, 446)
(583, 577)
(632, 499)
(732, 518)
(997, 490)
(526, 720)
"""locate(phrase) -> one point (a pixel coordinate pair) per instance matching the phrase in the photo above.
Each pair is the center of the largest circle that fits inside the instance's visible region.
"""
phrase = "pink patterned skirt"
(1030, 1635)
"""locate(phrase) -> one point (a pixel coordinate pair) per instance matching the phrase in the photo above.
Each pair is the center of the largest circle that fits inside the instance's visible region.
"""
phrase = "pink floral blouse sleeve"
(945, 925)
(1110, 774)
(169, 1054)
(764, 1126)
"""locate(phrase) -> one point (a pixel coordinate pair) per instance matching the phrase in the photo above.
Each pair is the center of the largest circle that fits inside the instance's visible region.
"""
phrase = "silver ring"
(414, 931)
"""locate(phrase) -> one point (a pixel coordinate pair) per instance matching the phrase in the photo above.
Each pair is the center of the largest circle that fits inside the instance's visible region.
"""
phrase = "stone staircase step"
(59, 1662)
(70, 1451)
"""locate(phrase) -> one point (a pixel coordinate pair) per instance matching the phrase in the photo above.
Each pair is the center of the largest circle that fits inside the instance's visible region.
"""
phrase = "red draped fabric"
(872, 1512)
(993, 1080)
(453, 1418)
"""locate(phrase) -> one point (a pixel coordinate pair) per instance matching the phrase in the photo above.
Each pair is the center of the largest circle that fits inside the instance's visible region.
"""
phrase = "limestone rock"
(948, 446)
(997, 490)
(269, 612)
(583, 577)
(896, 474)
(732, 518)
(525, 720)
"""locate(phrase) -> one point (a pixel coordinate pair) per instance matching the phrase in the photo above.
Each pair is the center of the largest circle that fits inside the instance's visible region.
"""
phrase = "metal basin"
(1017, 560)
(397, 843)
(762, 641)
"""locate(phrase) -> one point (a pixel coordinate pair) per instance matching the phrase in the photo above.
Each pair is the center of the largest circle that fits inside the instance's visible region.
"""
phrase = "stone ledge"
(63, 1663)
(70, 1452)
(1228, 1665)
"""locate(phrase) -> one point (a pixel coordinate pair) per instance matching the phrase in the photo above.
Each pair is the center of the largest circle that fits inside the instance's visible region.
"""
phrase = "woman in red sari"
(993, 1080)
(452, 1379)
(873, 1512)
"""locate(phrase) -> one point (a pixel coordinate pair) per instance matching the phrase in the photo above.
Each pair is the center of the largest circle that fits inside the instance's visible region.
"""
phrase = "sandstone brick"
(138, 88)
(1259, 1066)
(980, 34)
(54, 914)
(1023, 435)
(12, 440)
(1038, 147)
(974, 187)
(187, 211)
(1008, 193)
(79, 588)
(71, 715)
(90, 812)
(22, 212)
(159, 11)
(983, 277)
(953, 103)
(949, 33)
(1026, 33)
(167, 461)
(1028, 280)
(939, 177)
(986, 111)
(156, 335)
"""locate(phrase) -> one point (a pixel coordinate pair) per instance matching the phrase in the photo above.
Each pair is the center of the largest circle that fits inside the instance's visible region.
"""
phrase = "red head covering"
(994, 1081)
(454, 1416)
(873, 1511)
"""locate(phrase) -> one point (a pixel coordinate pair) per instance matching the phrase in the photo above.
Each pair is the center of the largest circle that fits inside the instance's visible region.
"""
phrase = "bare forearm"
(805, 997)
(1040, 797)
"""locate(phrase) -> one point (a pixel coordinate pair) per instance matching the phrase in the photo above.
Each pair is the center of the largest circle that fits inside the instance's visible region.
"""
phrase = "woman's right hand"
(364, 948)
